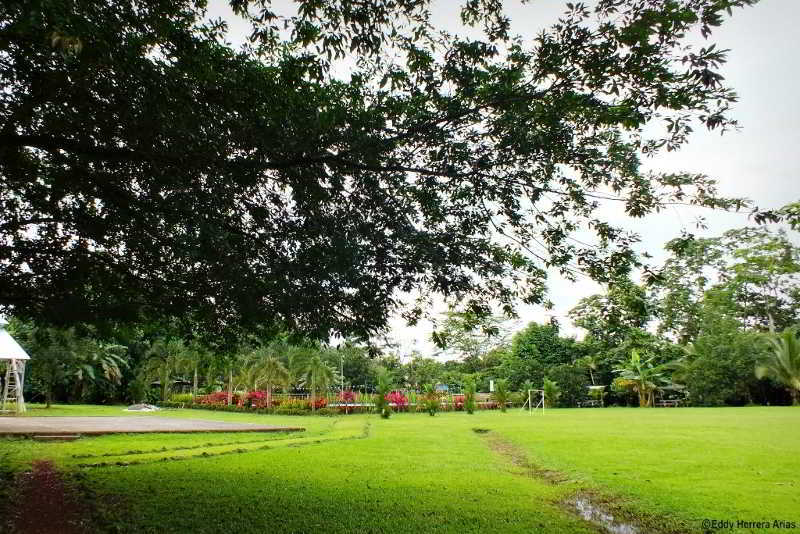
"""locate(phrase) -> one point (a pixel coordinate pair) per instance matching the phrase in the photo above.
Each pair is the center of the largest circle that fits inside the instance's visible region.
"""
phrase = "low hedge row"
(245, 409)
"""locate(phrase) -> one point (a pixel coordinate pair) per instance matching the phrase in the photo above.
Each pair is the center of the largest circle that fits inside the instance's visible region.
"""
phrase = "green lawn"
(413, 473)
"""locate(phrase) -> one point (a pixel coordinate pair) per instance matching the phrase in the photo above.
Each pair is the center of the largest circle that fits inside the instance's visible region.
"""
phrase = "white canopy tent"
(14, 357)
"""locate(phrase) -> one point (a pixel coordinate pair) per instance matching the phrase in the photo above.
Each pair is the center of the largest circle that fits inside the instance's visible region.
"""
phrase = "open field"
(663, 469)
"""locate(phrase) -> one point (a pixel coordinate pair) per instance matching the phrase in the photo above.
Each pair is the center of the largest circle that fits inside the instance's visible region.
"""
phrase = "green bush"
(552, 392)
(501, 394)
(573, 383)
(469, 396)
(137, 390)
(431, 400)
(186, 398)
(384, 388)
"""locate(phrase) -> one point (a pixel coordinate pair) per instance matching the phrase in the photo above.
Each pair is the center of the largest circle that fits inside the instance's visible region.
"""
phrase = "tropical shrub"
(458, 403)
(185, 398)
(382, 399)
(219, 397)
(501, 393)
(137, 390)
(257, 399)
(551, 392)
(643, 376)
(320, 402)
(430, 399)
(469, 396)
(782, 363)
(517, 398)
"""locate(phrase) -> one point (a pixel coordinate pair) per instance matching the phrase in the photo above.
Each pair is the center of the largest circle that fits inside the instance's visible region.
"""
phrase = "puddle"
(593, 514)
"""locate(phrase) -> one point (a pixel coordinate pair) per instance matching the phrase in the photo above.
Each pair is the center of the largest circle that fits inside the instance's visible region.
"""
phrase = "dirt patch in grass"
(604, 512)
(518, 458)
(43, 502)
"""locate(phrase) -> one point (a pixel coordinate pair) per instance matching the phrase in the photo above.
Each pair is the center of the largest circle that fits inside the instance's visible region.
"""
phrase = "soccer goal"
(534, 395)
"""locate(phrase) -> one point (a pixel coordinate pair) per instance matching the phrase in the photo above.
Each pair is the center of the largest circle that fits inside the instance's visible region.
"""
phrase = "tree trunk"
(269, 395)
(230, 386)
(194, 387)
(164, 387)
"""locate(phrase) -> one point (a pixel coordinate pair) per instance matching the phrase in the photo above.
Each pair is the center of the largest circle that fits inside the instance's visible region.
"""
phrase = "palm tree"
(190, 361)
(645, 377)
(273, 372)
(250, 373)
(782, 364)
(98, 360)
(163, 358)
(319, 374)
(501, 393)
(590, 362)
(215, 367)
(551, 392)
(296, 364)
(384, 388)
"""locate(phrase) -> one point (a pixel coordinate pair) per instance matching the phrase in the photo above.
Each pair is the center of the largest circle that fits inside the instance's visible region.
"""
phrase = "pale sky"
(759, 162)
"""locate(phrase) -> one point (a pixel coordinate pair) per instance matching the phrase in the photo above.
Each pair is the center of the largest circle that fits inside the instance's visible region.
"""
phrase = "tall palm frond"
(163, 358)
(319, 375)
(782, 363)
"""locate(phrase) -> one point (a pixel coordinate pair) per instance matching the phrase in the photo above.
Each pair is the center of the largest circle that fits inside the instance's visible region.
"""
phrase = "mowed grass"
(415, 473)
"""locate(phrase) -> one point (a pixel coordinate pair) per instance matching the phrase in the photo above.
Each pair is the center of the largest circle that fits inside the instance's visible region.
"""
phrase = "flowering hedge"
(399, 400)
(348, 402)
(258, 400)
(220, 397)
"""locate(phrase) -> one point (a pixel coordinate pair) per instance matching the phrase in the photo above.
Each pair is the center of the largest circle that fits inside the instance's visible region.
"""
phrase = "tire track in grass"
(290, 435)
(603, 511)
(343, 432)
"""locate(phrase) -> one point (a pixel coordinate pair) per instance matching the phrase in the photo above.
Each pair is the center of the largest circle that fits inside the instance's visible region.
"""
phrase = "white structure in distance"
(14, 357)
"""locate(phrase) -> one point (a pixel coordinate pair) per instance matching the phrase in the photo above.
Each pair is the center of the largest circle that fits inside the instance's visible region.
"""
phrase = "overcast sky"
(760, 162)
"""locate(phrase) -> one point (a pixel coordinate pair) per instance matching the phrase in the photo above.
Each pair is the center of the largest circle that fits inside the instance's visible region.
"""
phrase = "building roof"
(10, 349)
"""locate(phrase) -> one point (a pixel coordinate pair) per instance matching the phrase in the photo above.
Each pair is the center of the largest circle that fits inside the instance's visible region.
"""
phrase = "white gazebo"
(14, 357)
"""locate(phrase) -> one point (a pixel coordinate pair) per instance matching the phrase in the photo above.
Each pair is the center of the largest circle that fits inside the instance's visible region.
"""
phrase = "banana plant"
(643, 376)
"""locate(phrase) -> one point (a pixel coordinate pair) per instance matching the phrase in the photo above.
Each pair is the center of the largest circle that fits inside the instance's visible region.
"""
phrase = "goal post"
(534, 395)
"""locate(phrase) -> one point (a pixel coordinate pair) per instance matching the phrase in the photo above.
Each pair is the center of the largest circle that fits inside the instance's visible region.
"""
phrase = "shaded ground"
(44, 504)
(127, 424)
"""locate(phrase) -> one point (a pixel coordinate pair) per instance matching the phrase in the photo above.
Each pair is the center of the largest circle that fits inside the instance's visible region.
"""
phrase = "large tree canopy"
(149, 169)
